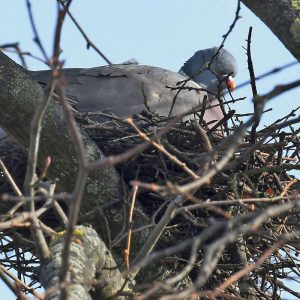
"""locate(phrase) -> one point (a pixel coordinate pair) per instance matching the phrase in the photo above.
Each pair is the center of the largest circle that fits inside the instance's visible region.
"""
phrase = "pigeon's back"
(125, 90)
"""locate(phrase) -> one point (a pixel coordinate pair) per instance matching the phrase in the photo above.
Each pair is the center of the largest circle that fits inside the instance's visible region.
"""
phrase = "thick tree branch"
(89, 259)
(283, 18)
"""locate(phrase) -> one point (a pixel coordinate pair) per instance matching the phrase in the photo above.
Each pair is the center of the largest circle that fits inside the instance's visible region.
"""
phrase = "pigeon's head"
(212, 68)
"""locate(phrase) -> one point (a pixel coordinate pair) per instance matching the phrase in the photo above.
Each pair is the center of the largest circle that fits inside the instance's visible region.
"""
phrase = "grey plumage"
(222, 65)
(128, 89)
(125, 90)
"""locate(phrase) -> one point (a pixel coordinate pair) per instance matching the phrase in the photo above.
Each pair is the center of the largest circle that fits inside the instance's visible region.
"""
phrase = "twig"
(130, 226)
(247, 269)
(11, 286)
(268, 73)
(35, 32)
(87, 39)
(236, 18)
(162, 150)
(253, 85)
(10, 179)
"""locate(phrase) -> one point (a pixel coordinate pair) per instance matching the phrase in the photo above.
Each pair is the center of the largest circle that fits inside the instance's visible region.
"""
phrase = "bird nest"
(186, 149)
(254, 178)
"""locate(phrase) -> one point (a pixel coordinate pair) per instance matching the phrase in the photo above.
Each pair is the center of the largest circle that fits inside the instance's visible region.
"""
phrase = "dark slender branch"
(268, 73)
(87, 39)
(253, 86)
(36, 37)
(236, 18)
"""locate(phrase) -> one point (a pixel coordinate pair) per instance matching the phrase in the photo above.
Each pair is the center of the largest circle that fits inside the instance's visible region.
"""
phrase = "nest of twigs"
(257, 170)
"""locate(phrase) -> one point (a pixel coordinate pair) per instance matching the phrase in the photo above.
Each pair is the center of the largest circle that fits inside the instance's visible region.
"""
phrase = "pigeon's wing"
(125, 90)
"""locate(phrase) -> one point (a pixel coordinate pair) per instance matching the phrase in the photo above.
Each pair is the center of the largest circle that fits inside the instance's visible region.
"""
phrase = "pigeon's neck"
(193, 66)
(181, 72)
(196, 68)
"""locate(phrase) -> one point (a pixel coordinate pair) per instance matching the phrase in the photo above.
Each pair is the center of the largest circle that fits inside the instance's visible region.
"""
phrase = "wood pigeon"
(127, 89)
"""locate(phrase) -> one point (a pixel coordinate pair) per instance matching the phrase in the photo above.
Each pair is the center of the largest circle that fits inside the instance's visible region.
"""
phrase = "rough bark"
(283, 18)
(89, 259)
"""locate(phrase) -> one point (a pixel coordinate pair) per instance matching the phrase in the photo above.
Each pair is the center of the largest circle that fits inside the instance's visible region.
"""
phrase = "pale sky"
(159, 33)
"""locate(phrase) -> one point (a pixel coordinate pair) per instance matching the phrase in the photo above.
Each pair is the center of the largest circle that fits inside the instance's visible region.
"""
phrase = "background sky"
(159, 33)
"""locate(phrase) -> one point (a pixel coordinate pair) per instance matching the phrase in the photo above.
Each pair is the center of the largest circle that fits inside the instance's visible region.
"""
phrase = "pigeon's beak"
(231, 84)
